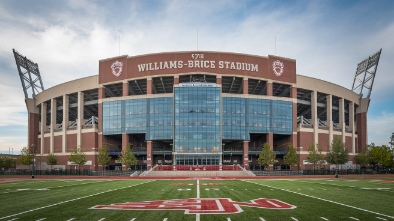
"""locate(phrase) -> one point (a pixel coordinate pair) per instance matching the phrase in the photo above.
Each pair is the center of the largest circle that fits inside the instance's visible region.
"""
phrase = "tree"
(314, 155)
(103, 157)
(52, 159)
(7, 162)
(78, 157)
(267, 156)
(380, 155)
(26, 157)
(127, 158)
(338, 153)
(362, 158)
(291, 158)
(391, 141)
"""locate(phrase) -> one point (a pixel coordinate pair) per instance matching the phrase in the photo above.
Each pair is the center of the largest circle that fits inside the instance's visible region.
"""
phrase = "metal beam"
(255, 87)
(162, 84)
(138, 86)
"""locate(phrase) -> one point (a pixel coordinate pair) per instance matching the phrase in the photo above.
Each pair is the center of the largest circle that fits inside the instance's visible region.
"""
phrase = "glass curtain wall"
(197, 138)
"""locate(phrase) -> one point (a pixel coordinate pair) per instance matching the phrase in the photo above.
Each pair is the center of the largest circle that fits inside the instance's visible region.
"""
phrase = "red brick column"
(149, 154)
(269, 88)
(361, 121)
(270, 140)
(218, 80)
(245, 87)
(245, 154)
(149, 86)
(125, 89)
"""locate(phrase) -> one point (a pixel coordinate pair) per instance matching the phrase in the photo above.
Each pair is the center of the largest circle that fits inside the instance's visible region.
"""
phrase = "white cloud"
(12, 143)
(68, 41)
(380, 128)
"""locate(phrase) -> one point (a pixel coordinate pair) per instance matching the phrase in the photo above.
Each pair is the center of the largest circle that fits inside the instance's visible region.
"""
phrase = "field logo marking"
(72, 200)
(199, 205)
(326, 200)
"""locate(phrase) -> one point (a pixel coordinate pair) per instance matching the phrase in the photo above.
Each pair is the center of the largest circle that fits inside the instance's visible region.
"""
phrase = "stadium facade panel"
(195, 108)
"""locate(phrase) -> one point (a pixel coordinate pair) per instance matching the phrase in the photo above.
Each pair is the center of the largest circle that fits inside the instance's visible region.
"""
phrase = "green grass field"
(313, 199)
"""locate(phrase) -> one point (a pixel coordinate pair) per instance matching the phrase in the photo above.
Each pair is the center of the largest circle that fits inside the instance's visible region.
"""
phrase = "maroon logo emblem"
(277, 67)
(199, 205)
(116, 68)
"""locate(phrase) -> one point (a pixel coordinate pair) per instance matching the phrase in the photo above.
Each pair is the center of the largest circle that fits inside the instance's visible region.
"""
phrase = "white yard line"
(324, 218)
(353, 218)
(294, 219)
(381, 218)
(67, 201)
(262, 219)
(330, 201)
(71, 219)
(132, 219)
(198, 196)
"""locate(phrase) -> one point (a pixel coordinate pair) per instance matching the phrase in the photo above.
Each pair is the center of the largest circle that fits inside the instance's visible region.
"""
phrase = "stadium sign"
(199, 205)
(241, 66)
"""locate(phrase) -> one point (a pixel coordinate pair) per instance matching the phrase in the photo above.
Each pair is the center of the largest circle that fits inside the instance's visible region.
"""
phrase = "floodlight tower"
(29, 75)
(32, 85)
(362, 85)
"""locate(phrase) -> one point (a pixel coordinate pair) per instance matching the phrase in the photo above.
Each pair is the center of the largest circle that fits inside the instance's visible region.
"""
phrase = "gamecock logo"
(199, 205)
(277, 67)
(117, 68)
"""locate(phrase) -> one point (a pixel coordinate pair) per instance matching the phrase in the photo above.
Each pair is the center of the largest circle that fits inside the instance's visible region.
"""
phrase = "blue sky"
(67, 38)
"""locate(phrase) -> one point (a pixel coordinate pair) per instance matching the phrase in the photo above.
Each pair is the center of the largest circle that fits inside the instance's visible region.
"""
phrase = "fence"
(320, 172)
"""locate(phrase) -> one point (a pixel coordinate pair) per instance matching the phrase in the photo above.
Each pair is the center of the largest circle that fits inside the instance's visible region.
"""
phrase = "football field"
(196, 199)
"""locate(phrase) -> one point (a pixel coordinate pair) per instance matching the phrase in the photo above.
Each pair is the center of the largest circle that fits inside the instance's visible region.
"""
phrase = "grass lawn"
(227, 200)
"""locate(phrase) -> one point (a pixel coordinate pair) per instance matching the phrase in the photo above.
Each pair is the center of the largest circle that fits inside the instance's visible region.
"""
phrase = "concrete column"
(100, 138)
(351, 125)
(329, 119)
(245, 87)
(342, 118)
(245, 154)
(65, 122)
(293, 95)
(80, 120)
(43, 125)
(315, 120)
(53, 124)
(149, 154)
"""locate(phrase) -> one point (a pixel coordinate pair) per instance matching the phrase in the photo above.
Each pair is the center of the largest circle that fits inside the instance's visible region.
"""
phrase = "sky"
(327, 38)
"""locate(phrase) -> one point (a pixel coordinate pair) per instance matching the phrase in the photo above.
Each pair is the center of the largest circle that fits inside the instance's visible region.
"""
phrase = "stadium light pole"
(34, 159)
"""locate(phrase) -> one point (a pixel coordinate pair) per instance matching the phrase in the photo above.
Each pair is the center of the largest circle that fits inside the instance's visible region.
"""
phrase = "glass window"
(197, 123)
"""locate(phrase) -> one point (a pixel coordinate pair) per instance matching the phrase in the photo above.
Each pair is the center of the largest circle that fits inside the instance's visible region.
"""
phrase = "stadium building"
(193, 108)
